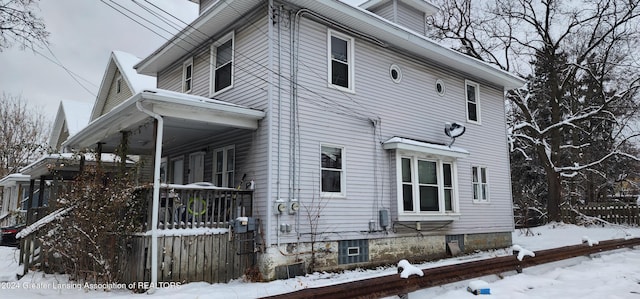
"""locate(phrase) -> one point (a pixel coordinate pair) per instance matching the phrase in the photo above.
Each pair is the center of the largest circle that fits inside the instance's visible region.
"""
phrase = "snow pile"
(522, 252)
(591, 242)
(408, 269)
(9, 265)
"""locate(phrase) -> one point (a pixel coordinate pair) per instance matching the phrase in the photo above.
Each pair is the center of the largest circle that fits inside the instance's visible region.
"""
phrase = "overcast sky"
(83, 34)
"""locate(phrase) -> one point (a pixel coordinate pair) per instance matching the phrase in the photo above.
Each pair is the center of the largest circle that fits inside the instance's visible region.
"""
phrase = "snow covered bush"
(104, 211)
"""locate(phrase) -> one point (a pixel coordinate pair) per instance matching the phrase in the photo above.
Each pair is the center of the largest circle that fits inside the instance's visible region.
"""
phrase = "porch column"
(158, 136)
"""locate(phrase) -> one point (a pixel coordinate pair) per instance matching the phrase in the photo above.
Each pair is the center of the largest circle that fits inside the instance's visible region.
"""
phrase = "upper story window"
(472, 94)
(222, 53)
(118, 84)
(187, 75)
(480, 184)
(340, 54)
(224, 168)
(332, 178)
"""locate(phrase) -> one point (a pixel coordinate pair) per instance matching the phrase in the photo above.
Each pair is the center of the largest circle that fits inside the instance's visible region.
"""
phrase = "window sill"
(341, 88)
(481, 202)
(332, 195)
(429, 217)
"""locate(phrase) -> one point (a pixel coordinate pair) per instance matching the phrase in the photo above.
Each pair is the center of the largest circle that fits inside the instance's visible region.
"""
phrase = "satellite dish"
(453, 130)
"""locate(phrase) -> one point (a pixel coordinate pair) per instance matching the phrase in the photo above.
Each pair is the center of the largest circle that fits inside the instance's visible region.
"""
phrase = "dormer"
(408, 13)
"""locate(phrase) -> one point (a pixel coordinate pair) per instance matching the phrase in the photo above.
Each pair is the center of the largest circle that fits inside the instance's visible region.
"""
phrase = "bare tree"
(583, 83)
(20, 25)
(23, 134)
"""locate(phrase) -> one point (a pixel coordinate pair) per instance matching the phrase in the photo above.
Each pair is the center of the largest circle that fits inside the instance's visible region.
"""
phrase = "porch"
(191, 231)
(196, 236)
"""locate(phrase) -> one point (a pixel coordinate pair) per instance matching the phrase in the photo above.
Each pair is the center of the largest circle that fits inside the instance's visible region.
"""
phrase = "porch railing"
(195, 206)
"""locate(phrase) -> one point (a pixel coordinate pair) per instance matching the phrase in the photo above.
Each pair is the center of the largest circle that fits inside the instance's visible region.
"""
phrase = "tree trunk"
(555, 196)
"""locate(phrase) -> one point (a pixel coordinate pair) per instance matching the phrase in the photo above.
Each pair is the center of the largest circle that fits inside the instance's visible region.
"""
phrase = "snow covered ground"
(608, 275)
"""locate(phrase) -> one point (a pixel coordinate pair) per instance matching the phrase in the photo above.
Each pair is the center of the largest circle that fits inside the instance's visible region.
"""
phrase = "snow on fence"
(611, 213)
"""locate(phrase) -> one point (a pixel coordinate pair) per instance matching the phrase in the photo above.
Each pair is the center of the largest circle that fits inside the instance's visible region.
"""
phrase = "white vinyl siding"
(340, 61)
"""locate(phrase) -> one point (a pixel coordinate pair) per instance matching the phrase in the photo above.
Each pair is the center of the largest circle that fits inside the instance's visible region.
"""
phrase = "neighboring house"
(15, 189)
(72, 116)
(50, 171)
(336, 116)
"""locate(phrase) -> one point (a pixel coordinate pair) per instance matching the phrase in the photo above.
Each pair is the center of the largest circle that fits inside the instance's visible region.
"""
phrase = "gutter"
(156, 196)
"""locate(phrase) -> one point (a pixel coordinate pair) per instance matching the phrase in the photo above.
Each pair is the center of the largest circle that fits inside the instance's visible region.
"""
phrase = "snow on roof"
(77, 114)
(107, 158)
(423, 146)
(42, 222)
(123, 63)
(189, 97)
(13, 178)
(137, 82)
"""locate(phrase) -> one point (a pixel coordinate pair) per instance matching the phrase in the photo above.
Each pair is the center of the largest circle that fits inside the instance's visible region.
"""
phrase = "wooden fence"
(612, 213)
(214, 258)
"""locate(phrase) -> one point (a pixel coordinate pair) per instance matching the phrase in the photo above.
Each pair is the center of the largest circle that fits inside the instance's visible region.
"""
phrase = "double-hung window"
(222, 54)
(472, 94)
(480, 184)
(340, 54)
(187, 75)
(332, 178)
(224, 168)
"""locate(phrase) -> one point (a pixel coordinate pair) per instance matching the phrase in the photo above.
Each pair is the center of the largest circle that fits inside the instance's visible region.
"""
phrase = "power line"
(57, 62)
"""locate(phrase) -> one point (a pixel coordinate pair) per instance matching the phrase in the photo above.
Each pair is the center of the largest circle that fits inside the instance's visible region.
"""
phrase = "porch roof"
(65, 165)
(186, 118)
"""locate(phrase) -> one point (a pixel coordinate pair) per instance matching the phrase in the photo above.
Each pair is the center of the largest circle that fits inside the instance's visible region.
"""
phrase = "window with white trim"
(426, 179)
(332, 178)
(340, 54)
(222, 54)
(472, 95)
(427, 185)
(480, 184)
(187, 75)
(224, 166)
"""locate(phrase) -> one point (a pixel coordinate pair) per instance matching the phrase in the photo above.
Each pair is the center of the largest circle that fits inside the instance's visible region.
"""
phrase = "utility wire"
(57, 62)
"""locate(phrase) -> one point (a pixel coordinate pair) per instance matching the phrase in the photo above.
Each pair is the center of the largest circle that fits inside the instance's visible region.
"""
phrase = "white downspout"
(156, 196)
(269, 200)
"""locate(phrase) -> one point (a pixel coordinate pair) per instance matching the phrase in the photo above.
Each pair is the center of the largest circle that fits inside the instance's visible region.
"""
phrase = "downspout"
(156, 195)
(269, 122)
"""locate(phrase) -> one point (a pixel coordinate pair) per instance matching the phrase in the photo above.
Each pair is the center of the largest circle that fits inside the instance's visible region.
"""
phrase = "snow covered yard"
(609, 275)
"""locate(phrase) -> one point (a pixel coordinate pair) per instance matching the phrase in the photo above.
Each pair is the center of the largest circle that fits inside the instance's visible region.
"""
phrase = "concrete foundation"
(277, 261)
